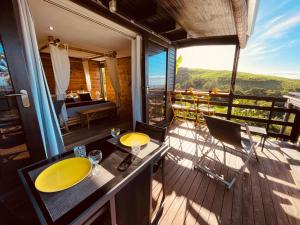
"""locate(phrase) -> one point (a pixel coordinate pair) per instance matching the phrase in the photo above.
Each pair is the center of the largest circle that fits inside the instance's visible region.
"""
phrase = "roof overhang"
(183, 22)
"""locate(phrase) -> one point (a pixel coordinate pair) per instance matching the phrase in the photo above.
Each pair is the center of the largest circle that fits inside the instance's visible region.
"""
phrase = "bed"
(75, 108)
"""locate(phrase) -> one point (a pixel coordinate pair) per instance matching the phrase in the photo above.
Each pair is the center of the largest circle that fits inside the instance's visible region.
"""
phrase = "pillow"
(85, 97)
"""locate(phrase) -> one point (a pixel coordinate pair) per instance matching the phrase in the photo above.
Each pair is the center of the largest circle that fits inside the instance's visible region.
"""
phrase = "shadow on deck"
(268, 192)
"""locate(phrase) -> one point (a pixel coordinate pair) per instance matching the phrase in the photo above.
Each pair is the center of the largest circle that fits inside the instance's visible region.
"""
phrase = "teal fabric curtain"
(48, 122)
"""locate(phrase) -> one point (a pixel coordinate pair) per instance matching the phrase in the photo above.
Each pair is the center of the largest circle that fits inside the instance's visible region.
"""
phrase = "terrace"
(122, 58)
(266, 193)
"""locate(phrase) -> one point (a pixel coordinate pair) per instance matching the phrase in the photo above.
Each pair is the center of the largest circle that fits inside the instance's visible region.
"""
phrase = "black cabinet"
(134, 200)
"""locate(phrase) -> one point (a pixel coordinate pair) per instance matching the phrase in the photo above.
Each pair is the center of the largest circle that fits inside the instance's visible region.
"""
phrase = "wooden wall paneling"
(136, 196)
(94, 67)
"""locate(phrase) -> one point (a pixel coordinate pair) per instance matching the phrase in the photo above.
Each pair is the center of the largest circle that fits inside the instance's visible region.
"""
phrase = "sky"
(157, 70)
(273, 48)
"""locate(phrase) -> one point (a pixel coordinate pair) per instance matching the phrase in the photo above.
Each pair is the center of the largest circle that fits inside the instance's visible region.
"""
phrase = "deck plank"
(258, 208)
(228, 196)
(266, 193)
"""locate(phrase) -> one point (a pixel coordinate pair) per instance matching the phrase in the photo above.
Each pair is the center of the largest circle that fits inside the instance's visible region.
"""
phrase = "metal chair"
(203, 108)
(154, 132)
(227, 133)
(179, 109)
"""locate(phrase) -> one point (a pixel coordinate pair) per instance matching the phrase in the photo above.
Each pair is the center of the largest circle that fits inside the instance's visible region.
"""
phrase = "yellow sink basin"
(130, 138)
(63, 174)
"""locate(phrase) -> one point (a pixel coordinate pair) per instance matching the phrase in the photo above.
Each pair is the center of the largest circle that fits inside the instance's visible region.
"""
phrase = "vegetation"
(246, 83)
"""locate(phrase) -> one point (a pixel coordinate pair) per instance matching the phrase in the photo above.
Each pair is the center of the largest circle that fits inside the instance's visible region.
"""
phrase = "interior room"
(129, 112)
(94, 80)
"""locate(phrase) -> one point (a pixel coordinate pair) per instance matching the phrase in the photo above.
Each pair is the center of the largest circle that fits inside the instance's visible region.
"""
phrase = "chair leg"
(203, 155)
(263, 143)
(228, 184)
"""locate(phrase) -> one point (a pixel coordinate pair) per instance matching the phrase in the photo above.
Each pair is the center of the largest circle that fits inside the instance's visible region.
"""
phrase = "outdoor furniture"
(227, 133)
(192, 107)
(203, 108)
(110, 190)
(260, 131)
(181, 109)
(154, 132)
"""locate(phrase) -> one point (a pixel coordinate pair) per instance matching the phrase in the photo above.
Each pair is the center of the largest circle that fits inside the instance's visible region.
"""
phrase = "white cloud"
(280, 28)
(265, 48)
(262, 43)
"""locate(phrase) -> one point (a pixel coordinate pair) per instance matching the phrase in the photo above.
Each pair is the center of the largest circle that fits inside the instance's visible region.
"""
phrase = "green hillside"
(246, 83)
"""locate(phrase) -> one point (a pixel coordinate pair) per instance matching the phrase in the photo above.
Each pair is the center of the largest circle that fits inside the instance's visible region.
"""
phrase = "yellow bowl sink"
(130, 138)
(63, 174)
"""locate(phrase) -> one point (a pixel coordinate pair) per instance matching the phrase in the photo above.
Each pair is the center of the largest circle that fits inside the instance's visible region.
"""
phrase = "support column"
(233, 79)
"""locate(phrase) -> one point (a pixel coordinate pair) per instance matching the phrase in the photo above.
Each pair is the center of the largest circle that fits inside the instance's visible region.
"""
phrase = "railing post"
(296, 128)
(229, 108)
(233, 79)
(270, 117)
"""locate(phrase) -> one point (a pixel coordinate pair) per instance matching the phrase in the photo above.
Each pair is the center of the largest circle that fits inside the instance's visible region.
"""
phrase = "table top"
(257, 130)
(63, 207)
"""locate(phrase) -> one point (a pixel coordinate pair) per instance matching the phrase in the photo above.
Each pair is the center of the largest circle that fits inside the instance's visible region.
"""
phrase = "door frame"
(145, 85)
(11, 37)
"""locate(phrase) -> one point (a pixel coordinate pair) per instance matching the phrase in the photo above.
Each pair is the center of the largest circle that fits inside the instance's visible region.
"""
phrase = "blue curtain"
(48, 123)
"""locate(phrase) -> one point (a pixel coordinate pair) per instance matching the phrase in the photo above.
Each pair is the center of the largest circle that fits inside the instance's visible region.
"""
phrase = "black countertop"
(69, 211)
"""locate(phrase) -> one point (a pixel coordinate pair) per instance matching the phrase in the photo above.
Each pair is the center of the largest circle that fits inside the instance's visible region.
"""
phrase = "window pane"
(157, 73)
(157, 70)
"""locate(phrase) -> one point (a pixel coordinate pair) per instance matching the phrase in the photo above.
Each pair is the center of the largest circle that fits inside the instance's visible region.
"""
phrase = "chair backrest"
(224, 130)
(58, 104)
(154, 132)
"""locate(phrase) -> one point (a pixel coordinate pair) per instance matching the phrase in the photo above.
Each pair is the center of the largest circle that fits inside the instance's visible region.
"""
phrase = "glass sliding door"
(20, 138)
(14, 151)
(156, 83)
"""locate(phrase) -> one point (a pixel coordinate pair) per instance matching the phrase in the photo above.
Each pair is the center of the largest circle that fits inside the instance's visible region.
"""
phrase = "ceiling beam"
(176, 35)
(137, 10)
(217, 40)
(163, 26)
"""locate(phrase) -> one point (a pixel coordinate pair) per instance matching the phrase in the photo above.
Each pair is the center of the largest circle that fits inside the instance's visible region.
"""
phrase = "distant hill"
(246, 83)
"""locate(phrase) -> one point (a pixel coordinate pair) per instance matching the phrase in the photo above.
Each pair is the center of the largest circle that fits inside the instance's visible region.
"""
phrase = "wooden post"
(233, 79)
(296, 128)
(286, 116)
(270, 116)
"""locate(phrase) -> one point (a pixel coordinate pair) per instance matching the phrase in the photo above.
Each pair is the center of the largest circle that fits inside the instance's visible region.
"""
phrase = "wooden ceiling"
(187, 20)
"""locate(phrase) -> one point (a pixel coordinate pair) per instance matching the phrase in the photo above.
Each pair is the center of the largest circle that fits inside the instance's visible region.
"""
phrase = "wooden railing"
(271, 107)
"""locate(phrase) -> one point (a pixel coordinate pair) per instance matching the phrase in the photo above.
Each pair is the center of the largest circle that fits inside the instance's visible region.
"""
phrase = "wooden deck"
(268, 192)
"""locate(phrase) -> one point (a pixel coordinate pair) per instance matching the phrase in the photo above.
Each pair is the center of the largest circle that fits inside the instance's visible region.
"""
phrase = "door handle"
(24, 97)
